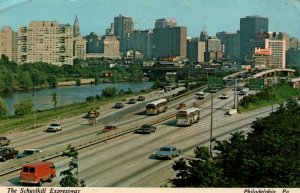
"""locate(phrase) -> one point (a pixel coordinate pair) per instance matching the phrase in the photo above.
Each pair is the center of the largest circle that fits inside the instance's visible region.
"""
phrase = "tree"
(54, 99)
(109, 92)
(25, 81)
(267, 157)
(3, 107)
(70, 176)
(52, 81)
(23, 107)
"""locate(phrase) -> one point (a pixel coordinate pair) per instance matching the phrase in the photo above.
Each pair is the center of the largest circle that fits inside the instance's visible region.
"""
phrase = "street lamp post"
(34, 108)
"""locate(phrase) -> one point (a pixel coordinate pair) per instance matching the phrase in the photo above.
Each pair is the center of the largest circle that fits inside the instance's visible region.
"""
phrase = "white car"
(224, 96)
(53, 127)
(28, 152)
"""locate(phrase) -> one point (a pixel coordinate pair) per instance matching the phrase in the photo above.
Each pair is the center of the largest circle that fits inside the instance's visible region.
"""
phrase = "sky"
(197, 15)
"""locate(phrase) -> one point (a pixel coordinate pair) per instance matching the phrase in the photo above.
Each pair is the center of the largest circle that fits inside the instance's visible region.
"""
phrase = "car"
(224, 96)
(167, 152)
(7, 153)
(242, 92)
(53, 127)
(160, 91)
(4, 141)
(27, 152)
(201, 95)
(108, 128)
(146, 128)
(119, 105)
(181, 105)
(131, 101)
(141, 98)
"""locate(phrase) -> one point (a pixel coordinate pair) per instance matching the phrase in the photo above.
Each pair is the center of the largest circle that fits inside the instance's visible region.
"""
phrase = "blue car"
(167, 152)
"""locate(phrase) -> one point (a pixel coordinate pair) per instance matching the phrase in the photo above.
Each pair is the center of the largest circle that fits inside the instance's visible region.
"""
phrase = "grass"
(26, 122)
(276, 95)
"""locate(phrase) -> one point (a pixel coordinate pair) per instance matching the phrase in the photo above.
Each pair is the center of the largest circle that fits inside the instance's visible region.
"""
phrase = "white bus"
(188, 116)
(156, 107)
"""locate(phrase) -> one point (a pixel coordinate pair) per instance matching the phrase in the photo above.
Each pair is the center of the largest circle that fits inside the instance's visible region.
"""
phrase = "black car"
(131, 101)
(119, 105)
(146, 128)
(7, 153)
(141, 98)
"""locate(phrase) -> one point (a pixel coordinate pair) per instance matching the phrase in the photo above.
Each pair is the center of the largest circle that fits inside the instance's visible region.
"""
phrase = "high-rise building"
(46, 41)
(253, 32)
(111, 47)
(93, 43)
(79, 48)
(231, 44)
(170, 41)
(141, 40)
(195, 50)
(165, 22)
(76, 28)
(122, 26)
(8, 43)
(278, 49)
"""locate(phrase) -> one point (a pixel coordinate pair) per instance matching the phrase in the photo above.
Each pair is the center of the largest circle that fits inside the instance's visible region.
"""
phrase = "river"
(67, 95)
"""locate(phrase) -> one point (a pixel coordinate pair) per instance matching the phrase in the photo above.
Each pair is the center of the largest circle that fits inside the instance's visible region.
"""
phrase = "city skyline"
(97, 15)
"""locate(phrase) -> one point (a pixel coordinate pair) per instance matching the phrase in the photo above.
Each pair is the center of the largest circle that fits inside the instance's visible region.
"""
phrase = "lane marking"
(99, 157)
(92, 183)
(135, 164)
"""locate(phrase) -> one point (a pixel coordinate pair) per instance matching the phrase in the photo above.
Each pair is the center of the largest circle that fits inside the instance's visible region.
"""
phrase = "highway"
(127, 160)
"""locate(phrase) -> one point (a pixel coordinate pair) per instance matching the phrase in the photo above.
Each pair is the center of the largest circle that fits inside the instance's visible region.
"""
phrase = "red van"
(37, 172)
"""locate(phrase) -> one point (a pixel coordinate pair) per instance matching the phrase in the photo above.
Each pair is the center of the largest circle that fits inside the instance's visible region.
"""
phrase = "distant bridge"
(274, 72)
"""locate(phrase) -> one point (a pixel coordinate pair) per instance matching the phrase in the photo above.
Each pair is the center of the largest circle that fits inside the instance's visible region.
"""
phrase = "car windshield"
(165, 149)
(146, 126)
(3, 149)
(28, 152)
(54, 125)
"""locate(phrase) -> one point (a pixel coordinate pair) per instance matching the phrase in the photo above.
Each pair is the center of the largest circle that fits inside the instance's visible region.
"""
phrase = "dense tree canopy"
(267, 157)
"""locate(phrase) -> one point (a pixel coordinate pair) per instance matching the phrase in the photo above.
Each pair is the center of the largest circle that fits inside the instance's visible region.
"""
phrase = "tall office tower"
(170, 42)
(231, 44)
(213, 50)
(203, 36)
(141, 40)
(278, 49)
(93, 43)
(79, 48)
(253, 32)
(122, 26)
(195, 50)
(111, 46)
(165, 22)
(46, 41)
(76, 28)
(8, 43)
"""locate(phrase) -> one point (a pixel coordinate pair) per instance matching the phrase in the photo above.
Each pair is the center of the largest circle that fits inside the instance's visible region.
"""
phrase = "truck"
(7, 153)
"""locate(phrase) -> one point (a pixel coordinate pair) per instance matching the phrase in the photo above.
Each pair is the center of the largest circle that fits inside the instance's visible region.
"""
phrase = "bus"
(156, 107)
(188, 116)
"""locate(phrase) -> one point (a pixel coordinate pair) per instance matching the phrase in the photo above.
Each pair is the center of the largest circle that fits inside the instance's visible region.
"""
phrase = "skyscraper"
(253, 32)
(141, 40)
(165, 22)
(122, 26)
(46, 41)
(170, 41)
(76, 28)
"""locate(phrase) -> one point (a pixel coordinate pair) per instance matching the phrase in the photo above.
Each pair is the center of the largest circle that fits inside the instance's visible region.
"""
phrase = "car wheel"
(51, 178)
(40, 183)
(3, 159)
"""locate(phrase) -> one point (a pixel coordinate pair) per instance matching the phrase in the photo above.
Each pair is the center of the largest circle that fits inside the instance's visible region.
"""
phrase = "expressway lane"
(124, 161)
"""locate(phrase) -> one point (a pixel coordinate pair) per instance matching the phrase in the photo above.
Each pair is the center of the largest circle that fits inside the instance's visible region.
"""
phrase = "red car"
(108, 128)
